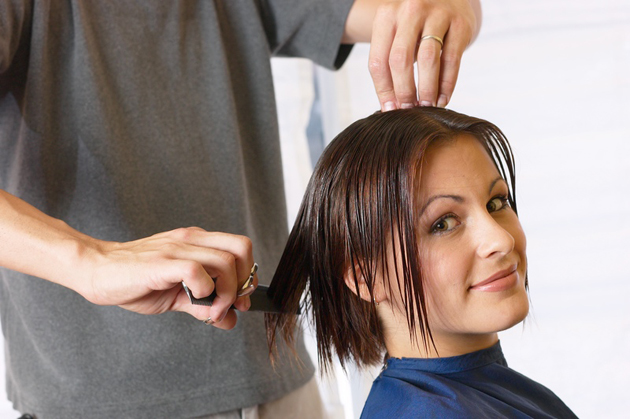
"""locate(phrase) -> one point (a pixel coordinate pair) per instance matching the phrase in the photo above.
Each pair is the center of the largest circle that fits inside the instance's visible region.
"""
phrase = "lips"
(501, 280)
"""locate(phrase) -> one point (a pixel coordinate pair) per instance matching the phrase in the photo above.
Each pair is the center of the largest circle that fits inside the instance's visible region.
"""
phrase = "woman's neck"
(400, 344)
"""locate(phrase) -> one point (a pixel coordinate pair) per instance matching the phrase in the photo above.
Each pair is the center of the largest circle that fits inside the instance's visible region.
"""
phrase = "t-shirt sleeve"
(13, 17)
(307, 28)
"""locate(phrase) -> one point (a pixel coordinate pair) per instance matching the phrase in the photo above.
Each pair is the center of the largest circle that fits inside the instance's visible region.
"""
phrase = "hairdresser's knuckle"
(227, 260)
(447, 86)
(386, 12)
(427, 93)
(463, 26)
(192, 269)
(245, 246)
(377, 68)
(170, 248)
(400, 59)
(184, 234)
(414, 8)
(406, 96)
(386, 94)
(451, 59)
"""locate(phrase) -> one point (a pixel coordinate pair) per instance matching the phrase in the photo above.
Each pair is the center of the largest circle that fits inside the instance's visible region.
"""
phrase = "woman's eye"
(497, 203)
(444, 224)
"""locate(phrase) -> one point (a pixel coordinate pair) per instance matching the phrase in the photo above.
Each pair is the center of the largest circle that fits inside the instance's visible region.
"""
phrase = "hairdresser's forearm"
(37, 244)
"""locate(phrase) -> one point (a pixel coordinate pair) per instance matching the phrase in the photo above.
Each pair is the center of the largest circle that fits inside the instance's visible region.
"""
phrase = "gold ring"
(248, 286)
(437, 38)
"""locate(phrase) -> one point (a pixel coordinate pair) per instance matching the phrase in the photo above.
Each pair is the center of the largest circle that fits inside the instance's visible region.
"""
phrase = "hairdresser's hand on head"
(144, 276)
(396, 29)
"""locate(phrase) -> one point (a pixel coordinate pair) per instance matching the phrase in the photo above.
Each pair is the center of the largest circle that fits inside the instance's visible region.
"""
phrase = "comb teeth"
(205, 301)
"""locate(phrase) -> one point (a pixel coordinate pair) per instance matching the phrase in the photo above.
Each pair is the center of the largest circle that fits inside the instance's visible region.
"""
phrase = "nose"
(492, 238)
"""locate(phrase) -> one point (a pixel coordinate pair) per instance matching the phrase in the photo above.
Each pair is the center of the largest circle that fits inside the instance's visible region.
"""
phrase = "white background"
(555, 77)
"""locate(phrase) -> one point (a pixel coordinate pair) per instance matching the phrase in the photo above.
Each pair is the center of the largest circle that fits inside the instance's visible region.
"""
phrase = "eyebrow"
(494, 182)
(456, 198)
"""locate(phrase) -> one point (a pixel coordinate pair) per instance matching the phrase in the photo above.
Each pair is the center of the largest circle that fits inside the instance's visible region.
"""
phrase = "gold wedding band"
(437, 38)
(248, 286)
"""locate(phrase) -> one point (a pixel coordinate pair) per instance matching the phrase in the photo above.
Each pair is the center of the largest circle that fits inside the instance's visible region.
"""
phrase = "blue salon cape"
(475, 385)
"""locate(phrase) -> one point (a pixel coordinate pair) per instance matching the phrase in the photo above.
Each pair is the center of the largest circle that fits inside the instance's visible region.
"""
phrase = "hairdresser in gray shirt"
(139, 150)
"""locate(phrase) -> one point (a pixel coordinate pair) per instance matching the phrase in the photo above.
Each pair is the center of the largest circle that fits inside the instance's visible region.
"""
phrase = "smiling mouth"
(500, 281)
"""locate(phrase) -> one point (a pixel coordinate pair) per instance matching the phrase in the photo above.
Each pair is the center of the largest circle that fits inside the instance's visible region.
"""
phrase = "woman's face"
(472, 246)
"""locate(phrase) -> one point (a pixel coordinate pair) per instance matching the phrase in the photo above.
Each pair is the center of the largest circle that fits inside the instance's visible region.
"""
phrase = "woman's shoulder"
(410, 388)
(396, 397)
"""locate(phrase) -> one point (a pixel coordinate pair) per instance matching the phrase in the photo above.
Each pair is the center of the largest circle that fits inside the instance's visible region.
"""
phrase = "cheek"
(445, 272)
(447, 263)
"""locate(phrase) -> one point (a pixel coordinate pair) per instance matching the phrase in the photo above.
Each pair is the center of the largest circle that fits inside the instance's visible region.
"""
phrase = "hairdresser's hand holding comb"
(433, 33)
(144, 276)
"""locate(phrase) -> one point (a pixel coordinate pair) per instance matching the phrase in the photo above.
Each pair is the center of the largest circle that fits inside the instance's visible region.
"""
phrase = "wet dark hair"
(360, 202)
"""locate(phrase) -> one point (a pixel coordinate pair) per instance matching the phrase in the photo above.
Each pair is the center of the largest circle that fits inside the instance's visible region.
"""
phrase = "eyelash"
(505, 203)
(443, 218)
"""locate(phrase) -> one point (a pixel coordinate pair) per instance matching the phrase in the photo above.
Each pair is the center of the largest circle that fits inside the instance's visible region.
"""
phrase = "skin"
(395, 29)
(145, 275)
(468, 233)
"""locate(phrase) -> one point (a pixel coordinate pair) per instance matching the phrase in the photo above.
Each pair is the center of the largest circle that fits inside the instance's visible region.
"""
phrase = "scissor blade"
(260, 300)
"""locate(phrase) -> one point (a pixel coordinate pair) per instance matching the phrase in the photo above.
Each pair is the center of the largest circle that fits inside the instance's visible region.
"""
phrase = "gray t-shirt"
(128, 118)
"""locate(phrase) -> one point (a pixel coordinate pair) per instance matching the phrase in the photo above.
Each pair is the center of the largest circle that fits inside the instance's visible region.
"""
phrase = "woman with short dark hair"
(409, 247)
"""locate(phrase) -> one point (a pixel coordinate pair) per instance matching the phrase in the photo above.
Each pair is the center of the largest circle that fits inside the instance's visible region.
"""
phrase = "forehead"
(461, 163)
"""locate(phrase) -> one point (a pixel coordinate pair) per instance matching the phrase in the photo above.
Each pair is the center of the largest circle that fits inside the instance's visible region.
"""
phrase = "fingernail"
(222, 317)
(248, 303)
(406, 106)
(426, 103)
(218, 316)
(389, 106)
(442, 101)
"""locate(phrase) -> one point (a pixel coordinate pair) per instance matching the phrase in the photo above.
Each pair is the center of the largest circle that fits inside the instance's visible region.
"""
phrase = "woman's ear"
(360, 286)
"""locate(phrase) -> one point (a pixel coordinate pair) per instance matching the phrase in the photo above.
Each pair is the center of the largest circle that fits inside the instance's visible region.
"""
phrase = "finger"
(221, 266)
(429, 53)
(403, 55)
(187, 266)
(237, 250)
(243, 303)
(205, 269)
(239, 246)
(455, 42)
(228, 322)
(202, 313)
(383, 31)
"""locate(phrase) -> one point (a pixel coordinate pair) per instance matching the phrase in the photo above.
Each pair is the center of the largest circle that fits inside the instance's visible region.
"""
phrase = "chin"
(514, 312)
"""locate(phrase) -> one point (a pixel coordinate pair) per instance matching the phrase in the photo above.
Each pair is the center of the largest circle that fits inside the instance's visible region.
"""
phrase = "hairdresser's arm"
(395, 28)
(142, 276)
